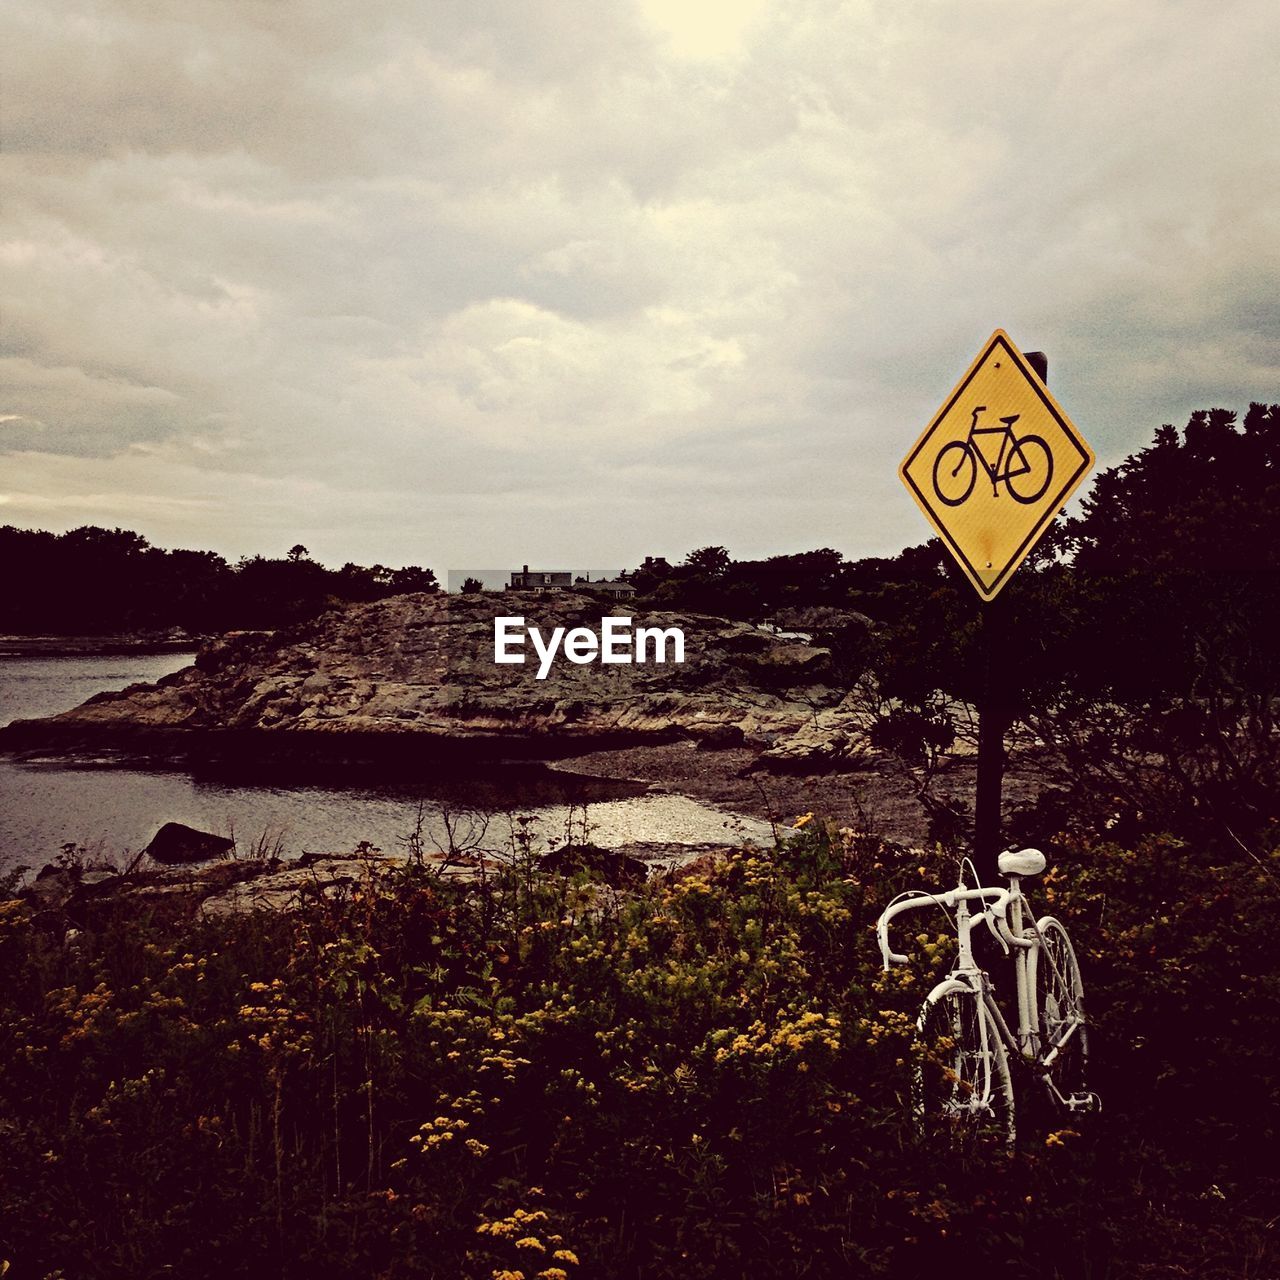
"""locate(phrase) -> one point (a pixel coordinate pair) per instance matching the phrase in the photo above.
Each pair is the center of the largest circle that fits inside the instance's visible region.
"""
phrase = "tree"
(470, 586)
(412, 578)
(711, 562)
(1170, 660)
(99, 581)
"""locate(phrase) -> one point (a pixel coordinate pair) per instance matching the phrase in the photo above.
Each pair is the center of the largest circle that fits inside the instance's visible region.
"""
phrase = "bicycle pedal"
(1088, 1103)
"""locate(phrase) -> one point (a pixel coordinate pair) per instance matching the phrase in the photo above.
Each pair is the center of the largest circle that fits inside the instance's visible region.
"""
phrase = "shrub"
(540, 1076)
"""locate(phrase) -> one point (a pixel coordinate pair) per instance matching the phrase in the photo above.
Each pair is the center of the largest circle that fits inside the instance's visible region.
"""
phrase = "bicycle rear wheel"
(1029, 469)
(962, 1087)
(1059, 996)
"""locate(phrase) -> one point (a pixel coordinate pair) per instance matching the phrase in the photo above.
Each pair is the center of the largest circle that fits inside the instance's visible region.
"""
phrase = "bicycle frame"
(995, 473)
(1002, 912)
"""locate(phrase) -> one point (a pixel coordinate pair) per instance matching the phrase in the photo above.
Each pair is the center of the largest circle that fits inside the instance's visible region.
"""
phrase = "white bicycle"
(962, 1079)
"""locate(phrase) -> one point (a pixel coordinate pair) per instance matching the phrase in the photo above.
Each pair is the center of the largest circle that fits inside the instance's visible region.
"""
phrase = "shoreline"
(395, 754)
(91, 646)
(874, 795)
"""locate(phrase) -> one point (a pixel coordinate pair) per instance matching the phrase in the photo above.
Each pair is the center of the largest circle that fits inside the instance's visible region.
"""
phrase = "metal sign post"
(992, 723)
(990, 473)
(994, 715)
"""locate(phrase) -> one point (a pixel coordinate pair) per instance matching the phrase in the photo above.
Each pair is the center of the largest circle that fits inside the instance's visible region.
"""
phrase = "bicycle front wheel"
(1029, 469)
(1059, 996)
(954, 471)
(962, 1087)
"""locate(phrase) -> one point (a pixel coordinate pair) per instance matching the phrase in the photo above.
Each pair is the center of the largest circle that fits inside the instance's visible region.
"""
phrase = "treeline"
(1138, 648)
(1167, 579)
(93, 581)
(1203, 500)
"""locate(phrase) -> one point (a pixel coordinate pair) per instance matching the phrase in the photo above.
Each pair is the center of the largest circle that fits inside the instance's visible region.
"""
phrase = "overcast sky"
(550, 281)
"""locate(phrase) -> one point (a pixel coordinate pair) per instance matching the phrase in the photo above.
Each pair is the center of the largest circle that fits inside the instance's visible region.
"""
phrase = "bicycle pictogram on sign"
(1024, 464)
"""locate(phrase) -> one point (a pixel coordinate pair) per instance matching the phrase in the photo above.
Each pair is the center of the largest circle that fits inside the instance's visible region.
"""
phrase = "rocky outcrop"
(831, 736)
(418, 671)
(78, 897)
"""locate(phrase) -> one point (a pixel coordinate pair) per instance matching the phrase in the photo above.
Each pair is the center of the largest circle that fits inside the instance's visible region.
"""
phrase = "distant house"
(540, 580)
(615, 587)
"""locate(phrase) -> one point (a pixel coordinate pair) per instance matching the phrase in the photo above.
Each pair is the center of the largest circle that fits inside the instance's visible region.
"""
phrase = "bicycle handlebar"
(1000, 900)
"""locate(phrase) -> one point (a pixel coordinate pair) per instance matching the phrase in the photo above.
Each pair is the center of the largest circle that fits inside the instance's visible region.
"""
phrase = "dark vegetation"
(94, 581)
(537, 1077)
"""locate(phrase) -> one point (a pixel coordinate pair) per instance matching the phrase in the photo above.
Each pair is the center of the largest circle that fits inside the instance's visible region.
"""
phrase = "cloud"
(470, 283)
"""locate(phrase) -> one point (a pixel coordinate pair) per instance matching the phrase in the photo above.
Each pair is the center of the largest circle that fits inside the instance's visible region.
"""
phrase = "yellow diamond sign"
(995, 465)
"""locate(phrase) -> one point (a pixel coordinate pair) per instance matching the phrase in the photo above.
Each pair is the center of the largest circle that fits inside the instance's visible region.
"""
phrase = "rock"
(722, 738)
(703, 865)
(786, 664)
(835, 737)
(666, 859)
(52, 886)
(59, 887)
(176, 892)
(611, 865)
(178, 843)
(414, 674)
(818, 618)
(282, 886)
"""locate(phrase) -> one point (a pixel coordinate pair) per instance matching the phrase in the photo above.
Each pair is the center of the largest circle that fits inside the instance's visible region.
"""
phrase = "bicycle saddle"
(1021, 862)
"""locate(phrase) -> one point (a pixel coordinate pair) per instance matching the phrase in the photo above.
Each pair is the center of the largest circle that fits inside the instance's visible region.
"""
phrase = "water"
(113, 810)
(31, 686)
